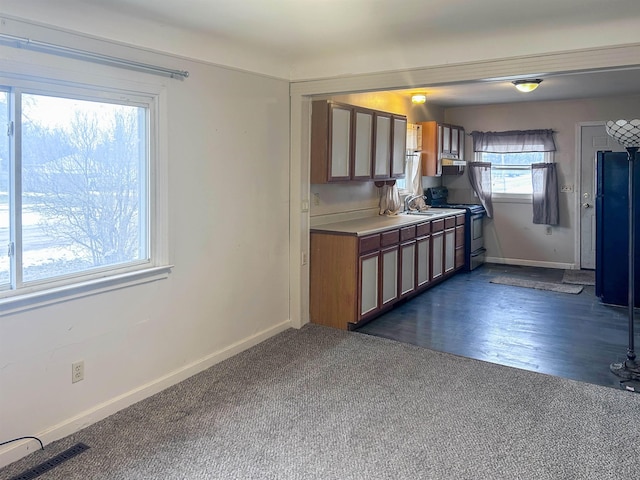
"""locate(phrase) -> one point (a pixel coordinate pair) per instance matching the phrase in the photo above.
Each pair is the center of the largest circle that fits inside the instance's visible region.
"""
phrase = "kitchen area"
(451, 308)
(363, 265)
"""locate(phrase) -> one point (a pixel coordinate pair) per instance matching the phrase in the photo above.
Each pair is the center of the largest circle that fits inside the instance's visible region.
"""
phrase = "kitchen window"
(511, 155)
(511, 172)
(76, 189)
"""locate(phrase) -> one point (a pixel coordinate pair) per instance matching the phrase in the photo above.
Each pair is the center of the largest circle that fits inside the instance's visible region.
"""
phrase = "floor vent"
(38, 470)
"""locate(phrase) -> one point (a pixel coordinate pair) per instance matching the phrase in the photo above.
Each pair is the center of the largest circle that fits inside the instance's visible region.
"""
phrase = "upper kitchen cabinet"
(399, 142)
(390, 146)
(331, 125)
(440, 141)
(363, 143)
(355, 143)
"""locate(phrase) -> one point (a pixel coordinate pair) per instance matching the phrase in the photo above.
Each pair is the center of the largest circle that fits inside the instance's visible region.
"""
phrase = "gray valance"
(514, 141)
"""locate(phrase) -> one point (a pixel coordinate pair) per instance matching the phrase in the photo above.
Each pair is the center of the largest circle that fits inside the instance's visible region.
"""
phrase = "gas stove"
(474, 250)
(437, 197)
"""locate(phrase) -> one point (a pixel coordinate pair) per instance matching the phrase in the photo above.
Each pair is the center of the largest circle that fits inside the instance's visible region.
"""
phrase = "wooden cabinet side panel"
(319, 168)
(333, 280)
(429, 155)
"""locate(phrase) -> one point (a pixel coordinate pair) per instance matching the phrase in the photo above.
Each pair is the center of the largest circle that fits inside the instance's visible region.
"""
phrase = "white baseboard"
(531, 263)
(22, 448)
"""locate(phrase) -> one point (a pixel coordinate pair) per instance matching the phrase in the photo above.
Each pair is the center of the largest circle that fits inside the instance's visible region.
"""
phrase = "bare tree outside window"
(83, 185)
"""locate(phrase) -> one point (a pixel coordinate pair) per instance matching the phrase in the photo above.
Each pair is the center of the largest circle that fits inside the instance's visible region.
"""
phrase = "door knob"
(586, 205)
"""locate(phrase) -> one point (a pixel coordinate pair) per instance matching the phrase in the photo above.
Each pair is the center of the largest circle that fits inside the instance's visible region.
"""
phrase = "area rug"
(579, 277)
(522, 282)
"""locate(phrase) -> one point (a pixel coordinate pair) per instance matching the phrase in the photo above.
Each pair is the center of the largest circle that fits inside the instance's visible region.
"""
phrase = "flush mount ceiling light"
(419, 98)
(527, 85)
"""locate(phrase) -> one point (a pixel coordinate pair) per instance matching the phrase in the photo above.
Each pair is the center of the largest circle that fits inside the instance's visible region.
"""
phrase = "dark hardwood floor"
(566, 335)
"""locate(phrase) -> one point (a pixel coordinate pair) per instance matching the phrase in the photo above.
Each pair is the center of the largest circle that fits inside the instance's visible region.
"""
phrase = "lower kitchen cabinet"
(389, 276)
(368, 283)
(423, 261)
(355, 278)
(459, 256)
(437, 249)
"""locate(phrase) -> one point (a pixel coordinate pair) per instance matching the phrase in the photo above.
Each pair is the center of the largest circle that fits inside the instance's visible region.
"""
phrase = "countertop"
(379, 223)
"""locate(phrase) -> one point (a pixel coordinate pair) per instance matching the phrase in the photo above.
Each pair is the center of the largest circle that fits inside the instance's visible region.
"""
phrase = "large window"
(74, 186)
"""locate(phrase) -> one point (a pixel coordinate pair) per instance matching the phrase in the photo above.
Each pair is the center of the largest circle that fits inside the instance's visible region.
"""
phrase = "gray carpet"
(579, 277)
(522, 282)
(319, 403)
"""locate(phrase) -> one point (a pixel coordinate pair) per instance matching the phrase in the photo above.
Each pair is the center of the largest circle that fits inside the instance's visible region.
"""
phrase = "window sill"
(512, 197)
(51, 295)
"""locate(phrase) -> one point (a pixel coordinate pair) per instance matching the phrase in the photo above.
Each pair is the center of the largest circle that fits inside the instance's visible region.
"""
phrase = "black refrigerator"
(612, 227)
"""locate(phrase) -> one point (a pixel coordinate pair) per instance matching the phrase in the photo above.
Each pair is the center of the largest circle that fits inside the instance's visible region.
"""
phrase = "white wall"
(510, 236)
(228, 197)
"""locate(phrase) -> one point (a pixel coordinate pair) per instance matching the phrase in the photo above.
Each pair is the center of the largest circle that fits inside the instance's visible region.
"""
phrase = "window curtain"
(514, 141)
(545, 193)
(480, 178)
(414, 180)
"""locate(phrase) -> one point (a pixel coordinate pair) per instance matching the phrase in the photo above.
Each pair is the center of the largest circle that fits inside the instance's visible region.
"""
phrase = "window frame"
(513, 197)
(118, 91)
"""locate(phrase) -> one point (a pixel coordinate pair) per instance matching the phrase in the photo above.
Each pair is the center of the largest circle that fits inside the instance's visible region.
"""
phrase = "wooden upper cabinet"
(330, 142)
(440, 140)
(355, 143)
(430, 165)
(399, 151)
(362, 144)
(382, 146)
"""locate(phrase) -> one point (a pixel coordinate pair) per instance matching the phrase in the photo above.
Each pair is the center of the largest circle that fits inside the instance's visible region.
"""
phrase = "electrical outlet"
(316, 199)
(77, 371)
(566, 188)
(548, 230)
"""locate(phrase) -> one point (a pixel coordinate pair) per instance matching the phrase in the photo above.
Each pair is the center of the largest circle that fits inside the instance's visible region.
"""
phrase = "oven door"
(476, 238)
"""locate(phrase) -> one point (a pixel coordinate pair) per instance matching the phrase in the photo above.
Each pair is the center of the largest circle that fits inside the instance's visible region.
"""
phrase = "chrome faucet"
(408, 199)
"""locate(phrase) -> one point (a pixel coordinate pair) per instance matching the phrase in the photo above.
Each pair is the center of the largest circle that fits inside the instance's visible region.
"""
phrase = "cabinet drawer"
(389, 238)
(423, 229)
(407, 233)
(449, 222)
(460, 219)
(369, 243)
(437, 225)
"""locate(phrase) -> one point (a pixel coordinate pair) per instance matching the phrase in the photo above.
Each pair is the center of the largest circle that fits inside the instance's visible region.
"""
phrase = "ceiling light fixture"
(527, 85)
(419, 98)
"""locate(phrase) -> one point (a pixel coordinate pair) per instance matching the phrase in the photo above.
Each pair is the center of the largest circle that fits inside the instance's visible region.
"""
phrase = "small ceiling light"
(419, 98)
(527, 85)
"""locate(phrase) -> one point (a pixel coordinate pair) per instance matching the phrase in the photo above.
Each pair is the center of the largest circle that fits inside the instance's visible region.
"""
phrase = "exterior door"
(593, 139)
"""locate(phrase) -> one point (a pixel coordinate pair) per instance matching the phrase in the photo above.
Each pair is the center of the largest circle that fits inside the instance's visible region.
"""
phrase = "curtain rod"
(20, 42)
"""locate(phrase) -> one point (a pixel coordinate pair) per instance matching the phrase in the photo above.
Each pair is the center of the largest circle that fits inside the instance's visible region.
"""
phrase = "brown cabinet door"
(382, 145)
(423, 261)
(399, 149)
(407, 265)
(449, 250)
(331, 137)
(362, 167)
(459, 260)
(437, 255)
(389, 269)
(368, 284)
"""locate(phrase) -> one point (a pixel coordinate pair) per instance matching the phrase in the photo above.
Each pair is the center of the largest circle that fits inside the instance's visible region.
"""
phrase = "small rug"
(522, 282)
(579, 277)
